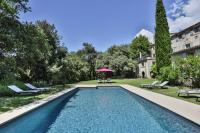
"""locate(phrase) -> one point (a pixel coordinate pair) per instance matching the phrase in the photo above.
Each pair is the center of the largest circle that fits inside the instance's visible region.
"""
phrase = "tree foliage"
(89, 54)
(119, 59)
(162, 37)
(53, 39)
(182, 71)
(171, 74)
(32, 54)
(11, 8)
(139, 45)
(10, 26)
(10, 31)
(190, 69)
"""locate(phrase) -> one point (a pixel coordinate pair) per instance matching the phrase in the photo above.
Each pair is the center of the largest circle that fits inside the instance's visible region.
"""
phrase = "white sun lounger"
(109, 80)
(30, 86)
(20, 91)
(99, 81)
(189, 92)
(161, 85)
(147, 85)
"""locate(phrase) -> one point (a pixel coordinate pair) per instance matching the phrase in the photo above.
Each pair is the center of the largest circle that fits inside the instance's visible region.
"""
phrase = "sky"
(107, 22)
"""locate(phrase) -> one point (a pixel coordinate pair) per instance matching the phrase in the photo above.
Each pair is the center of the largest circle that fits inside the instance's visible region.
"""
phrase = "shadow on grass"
(111, 82)
(187, 97)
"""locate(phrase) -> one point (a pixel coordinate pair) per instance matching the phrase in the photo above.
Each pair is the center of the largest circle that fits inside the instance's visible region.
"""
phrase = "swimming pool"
(102, 110)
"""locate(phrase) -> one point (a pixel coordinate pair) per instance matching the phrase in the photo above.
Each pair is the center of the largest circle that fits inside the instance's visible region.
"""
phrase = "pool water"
(103, 110)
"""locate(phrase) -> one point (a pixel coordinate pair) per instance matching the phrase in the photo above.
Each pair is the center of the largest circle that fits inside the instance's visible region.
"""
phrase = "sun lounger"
(147, 85)
(108, 80)
(30, 86)
(161, 85)
(189, 92)
(100, 81)
(20, 91)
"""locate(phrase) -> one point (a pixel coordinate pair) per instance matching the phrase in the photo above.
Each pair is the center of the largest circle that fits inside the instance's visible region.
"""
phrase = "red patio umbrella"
(104, 70)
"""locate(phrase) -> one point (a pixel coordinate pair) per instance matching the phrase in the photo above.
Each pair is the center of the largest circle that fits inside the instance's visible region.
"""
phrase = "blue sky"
(100, 22)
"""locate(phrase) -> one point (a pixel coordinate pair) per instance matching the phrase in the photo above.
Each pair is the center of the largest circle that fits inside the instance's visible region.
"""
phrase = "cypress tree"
(162, 37)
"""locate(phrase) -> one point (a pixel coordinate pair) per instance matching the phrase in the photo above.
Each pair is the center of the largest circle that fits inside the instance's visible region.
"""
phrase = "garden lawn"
(171, 91)
(133, 82)
(8, 102)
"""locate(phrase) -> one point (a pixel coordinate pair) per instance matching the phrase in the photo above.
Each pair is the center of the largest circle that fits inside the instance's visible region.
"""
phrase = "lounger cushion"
(34, 88)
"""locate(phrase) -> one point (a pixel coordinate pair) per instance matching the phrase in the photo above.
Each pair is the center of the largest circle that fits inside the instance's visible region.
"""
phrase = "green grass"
(133, 82)
(171, 91)
(10, 102)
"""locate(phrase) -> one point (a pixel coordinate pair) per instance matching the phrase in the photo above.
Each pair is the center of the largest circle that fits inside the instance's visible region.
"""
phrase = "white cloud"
(192, 9)
(147, 34)
(183, 14)
(176, 8)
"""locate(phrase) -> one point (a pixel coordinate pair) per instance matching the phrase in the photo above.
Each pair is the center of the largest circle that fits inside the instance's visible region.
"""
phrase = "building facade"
(186, 42)
(146, 62)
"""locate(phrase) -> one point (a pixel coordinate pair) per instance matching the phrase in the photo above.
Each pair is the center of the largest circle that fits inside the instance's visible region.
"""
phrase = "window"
(187, 45)
(196, 36)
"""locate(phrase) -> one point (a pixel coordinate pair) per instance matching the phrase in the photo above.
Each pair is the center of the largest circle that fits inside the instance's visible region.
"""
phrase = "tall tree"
(32, 54)
(10, 28)
(89, 54)
(162, 37)
(53, 39)
(9, 23)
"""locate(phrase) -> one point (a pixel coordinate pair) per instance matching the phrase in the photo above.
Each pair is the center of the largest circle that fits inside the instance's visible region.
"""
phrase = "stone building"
(186, 42)
(146, 62)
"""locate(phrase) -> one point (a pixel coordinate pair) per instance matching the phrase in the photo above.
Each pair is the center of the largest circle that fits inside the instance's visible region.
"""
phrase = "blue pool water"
(103, 110)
